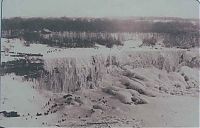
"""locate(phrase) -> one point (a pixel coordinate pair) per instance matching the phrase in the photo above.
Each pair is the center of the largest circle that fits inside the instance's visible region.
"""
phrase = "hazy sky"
(100, 8)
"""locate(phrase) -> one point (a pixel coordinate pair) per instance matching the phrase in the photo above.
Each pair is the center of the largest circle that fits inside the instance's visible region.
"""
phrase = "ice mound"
(191, 76)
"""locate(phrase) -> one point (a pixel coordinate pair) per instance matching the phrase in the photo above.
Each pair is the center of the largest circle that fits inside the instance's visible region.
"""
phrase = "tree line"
(178, 32)
(96, 25)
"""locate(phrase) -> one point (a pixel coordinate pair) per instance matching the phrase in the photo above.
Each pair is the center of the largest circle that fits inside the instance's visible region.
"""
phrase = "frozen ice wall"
(68, 74)
(71, 74)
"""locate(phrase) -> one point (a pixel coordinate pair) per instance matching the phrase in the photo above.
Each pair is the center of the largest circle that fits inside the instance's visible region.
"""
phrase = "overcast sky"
(100, 8)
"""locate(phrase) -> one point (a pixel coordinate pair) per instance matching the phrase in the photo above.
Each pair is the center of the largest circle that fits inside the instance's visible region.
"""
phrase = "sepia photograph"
(100, 63)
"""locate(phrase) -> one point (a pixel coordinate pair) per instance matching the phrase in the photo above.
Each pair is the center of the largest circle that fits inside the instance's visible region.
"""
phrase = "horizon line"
(106, 17)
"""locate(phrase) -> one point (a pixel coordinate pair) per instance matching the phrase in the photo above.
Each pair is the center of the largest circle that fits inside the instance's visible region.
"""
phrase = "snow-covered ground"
(19, 96)
(164, 111)
(130, 92)
(171, 111)
(17, 45)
